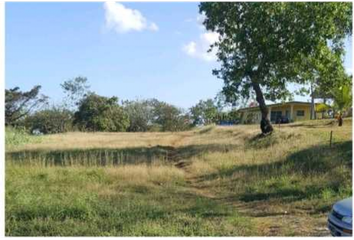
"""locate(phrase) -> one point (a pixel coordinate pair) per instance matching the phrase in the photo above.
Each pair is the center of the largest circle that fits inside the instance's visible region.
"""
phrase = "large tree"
(98, 113)
(19, 104)
(264, 46)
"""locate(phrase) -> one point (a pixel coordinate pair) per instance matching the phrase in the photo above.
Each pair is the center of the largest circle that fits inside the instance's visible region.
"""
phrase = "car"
(282, 120)
(340, 221)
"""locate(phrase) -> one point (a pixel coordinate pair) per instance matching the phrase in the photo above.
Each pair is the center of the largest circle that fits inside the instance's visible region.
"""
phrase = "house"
(294, 111)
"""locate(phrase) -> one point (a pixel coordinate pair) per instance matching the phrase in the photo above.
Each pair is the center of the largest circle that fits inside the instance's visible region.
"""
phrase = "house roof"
(277, 104)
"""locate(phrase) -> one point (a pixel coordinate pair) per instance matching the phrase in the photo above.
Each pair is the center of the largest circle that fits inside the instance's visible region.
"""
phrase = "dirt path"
(267, 222)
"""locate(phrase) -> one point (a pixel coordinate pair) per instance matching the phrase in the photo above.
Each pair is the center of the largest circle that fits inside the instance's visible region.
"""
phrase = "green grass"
(17, 137)
(97, 202)
(232, 182)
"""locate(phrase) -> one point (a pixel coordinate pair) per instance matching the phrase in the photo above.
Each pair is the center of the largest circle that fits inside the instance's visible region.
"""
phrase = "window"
(274, 115)
(300, 113)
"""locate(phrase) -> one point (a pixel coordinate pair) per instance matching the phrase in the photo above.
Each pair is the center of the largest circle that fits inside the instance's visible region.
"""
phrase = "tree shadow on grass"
(113, 156)
(318, 124)
(313, 161)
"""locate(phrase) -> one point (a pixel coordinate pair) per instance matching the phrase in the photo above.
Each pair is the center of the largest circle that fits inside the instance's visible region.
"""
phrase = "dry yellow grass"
(283, 183)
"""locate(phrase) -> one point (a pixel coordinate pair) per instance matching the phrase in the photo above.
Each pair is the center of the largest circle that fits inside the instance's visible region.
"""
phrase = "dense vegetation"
(97, 113)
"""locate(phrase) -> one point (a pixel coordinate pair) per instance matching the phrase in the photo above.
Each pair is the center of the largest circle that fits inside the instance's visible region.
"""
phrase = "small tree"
(140, 114)
(19, 104)
(98, 113)
(169, 117)
(49, 121)
(204, 112)
(75, 89)
(342, 98)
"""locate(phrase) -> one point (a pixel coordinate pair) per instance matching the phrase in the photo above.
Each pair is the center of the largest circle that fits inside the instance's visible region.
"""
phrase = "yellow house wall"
(256, 114)
(296, 107)
(307, 110)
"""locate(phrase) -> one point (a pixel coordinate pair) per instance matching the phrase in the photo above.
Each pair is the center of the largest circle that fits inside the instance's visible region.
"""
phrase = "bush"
(49, 121)
(140, 115)
(17, 136)
(169, 117)
(205, 112)
(97, 113)
(155, 116)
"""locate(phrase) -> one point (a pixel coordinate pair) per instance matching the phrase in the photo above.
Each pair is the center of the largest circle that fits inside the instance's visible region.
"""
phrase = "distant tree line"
(85, 110)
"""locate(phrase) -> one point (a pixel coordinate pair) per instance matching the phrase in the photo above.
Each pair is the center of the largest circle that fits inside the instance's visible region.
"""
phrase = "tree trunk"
(323, 112)
(313, 110)
(340, 120)
(266, 126)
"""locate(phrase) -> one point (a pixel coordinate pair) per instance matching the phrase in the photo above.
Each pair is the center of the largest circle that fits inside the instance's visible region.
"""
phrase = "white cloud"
(199, 49)
(153, 27)
(122, 19)
(190, 48)
(200, 19)
(210, 37)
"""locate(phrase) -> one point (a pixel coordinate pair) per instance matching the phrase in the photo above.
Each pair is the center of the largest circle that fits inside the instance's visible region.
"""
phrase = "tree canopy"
(169, 117)
(264, 46)
(140, 114)
(19, 104)
(204, 112)
(75, 89)
(98, 113)
(342, 95)
(49, 121)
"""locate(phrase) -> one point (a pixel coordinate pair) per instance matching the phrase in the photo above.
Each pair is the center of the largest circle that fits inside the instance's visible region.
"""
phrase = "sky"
(129, 50)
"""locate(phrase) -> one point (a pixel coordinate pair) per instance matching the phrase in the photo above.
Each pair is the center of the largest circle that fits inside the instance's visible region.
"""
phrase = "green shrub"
(97, 113)
(17, 136)
(54, 120)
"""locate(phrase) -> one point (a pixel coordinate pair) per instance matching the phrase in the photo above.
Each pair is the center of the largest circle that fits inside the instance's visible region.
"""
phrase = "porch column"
(292, 112)
(269, 112)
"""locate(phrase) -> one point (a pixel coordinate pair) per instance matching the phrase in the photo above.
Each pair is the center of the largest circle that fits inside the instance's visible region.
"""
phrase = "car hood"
(344, 207)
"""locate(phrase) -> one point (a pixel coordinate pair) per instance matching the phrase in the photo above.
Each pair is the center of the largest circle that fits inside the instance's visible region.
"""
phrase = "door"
(287, 114)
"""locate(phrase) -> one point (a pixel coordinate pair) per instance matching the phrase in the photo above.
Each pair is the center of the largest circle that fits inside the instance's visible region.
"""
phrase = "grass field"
(212, 181)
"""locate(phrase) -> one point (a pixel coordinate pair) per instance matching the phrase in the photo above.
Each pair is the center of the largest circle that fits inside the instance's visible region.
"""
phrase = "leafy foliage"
(140, 114)
(321, 107)
(98, 113)
(204, 112)
(264, 46)
(19, 104)
(75, 89)
(343, 96)
(49, 121)
(169, 117)
(154, 115)
(18, 136)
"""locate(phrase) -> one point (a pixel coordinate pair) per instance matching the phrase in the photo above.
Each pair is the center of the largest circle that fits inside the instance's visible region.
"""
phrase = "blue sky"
(130, 50)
